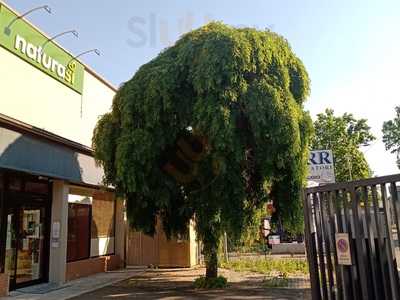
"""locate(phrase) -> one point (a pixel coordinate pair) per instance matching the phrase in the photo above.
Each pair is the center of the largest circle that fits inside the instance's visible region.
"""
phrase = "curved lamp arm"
(7, 30)
(96, 51)
(74, 32)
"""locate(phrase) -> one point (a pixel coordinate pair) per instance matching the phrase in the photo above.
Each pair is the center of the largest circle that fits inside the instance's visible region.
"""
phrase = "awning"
(23, 152)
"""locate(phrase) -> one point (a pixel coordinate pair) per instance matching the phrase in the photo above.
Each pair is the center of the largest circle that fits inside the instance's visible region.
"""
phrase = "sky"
(349, 48)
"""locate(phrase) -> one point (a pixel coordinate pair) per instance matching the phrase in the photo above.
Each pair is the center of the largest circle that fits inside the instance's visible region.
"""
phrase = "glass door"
(30, 245)
(25, 216)
(25, 245)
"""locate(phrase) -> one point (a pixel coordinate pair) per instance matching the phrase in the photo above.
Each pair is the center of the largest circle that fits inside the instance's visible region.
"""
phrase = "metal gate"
(368, 211)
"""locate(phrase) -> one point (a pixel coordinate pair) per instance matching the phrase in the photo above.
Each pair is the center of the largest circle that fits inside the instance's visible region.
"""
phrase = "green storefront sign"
(29, 44)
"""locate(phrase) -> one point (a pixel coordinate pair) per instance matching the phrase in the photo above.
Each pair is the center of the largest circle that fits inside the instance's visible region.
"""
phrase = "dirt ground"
(173, 284)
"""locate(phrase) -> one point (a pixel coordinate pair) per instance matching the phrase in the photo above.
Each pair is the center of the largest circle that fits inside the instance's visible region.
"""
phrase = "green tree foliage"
(391, 135)
(250, 239)
(243, 91)
(344, 135)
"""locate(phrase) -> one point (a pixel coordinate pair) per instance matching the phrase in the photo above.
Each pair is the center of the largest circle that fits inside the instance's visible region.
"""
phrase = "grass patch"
(276, 282)
(210, 283)
(287, 266)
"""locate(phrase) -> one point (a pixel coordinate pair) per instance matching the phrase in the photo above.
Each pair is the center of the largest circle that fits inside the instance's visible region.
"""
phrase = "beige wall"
(61, 271)
(120, 230)
(193, 244)
(4, 283)
(58, 246)
(31, 96)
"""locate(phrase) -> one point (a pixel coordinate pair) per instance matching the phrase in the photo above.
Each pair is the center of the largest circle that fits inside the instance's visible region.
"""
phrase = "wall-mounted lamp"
(7, 30)
(74, 32)
(96, 51)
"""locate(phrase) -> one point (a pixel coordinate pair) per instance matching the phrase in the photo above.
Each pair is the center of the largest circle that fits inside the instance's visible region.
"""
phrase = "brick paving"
(174, 284)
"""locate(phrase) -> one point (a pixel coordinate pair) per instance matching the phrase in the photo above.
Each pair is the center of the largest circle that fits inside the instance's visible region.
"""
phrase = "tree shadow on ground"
(178, 284)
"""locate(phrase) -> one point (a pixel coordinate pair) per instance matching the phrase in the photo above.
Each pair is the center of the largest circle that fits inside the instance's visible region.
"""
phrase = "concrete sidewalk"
(76, 287)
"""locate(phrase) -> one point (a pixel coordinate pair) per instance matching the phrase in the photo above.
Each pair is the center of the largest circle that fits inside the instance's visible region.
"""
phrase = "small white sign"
(274, 239)
(320, 167)
(25, 244)
(56, 230)
(343, 249)
(55, 243)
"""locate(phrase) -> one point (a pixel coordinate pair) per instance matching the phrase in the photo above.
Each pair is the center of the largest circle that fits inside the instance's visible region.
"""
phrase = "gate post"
(311, 250)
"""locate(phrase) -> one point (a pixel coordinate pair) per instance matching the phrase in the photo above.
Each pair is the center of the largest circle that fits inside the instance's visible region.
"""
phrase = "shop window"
(103, 215)
(79, 218)
(103, 222)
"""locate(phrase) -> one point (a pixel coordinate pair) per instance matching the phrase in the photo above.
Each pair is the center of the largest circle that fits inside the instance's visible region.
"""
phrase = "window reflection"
(78, 231)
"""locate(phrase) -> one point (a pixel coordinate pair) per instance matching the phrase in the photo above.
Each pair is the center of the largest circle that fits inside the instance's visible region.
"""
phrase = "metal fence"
(368, 211)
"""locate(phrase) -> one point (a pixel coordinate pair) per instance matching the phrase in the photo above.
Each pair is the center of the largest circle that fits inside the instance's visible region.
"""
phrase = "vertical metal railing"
(311, 248)
(368, 211)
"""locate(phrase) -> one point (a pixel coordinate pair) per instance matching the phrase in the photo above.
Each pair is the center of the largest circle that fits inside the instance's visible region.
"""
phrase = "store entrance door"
(26, 258)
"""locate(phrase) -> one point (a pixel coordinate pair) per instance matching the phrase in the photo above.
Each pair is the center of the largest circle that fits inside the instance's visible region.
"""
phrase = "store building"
(57, 221)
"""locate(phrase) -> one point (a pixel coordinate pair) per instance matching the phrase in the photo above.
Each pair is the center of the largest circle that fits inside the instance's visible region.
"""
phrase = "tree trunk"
(211, 258)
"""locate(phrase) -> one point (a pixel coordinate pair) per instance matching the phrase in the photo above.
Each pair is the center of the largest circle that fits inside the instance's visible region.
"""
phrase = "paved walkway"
(76, 287)
(174, 284)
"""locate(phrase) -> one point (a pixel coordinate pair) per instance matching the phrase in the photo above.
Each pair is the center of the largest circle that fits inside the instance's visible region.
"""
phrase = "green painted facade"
(20, 38)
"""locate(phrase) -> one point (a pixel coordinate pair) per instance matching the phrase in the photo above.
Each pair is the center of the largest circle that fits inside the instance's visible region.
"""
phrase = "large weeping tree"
(209, 130)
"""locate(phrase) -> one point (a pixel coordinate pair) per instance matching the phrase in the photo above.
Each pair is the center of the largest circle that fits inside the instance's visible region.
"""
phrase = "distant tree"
(344, 135)
(209, 129)
(391, 135)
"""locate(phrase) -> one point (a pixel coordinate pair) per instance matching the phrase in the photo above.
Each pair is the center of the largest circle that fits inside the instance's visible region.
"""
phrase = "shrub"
(276, 282)
(210, 283)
